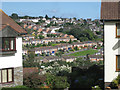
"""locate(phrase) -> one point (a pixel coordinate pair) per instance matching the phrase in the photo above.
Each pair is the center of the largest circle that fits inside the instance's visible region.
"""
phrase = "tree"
(61, 82)
(98, 32)
(40, 17)
(46, 16)
(30, 60)
(33, 80)
(14, 16)
(60, 30)
(76, 48)
(41, 37)
(36, 36)
(83, 35)
(53, 17)
(56, 81)
(49, 43)
(74, 18)
(70, 41)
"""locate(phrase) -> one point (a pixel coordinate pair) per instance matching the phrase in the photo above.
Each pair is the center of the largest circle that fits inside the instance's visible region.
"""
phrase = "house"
(69, 58)
(110, 15)
(28, 37)
(55, 58)
(11, 69)
(96, 58)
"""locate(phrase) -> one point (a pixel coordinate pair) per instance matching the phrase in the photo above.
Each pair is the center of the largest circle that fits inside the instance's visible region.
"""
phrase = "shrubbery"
(114, 84)
(34, 80)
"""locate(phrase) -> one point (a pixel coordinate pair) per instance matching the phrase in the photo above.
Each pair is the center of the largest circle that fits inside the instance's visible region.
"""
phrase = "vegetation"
(41, 37)
(83, 35)
(115, 83)
(56, 81)
(83, 53)
(29, 62)
(17, 88)
(84, 74)
(14, 16)
(51, 35)
(34, 80)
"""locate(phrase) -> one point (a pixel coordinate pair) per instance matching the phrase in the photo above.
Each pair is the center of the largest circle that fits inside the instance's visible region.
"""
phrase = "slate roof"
(6, 20)
(96, 56)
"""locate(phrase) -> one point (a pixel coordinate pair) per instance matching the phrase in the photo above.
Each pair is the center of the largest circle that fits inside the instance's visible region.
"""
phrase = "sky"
(59, 9)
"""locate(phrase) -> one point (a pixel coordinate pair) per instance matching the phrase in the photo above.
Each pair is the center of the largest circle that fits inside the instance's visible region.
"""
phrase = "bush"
(56, 81)
(96, 88)
(114, 84)
(33, 80)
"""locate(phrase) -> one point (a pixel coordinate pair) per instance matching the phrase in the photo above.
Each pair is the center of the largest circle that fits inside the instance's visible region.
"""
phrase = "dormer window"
(8, 44)
(118, 30)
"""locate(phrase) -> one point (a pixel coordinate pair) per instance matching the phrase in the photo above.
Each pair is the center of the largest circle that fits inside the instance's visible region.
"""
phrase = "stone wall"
(18, 78)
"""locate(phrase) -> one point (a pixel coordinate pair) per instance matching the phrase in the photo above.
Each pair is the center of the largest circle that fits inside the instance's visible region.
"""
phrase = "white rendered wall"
(13, 61)
(110, 55)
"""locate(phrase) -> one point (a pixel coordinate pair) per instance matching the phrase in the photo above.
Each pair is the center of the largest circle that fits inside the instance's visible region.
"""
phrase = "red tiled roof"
(2, 27)
(6, 20)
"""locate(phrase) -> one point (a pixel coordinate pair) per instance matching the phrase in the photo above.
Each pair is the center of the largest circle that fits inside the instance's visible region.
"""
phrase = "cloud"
(69, 15)
(54, 11)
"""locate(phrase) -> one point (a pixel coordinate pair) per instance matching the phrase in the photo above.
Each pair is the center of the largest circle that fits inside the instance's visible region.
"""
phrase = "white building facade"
(110, 17)
(11, 68)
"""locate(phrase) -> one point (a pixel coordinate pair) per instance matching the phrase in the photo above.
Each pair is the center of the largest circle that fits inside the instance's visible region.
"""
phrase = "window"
(6, 75)
(118, 63)
(8, 44)
(118, 30)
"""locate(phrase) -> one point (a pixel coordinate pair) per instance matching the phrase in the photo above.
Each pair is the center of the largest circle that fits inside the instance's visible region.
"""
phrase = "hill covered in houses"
(62, 51)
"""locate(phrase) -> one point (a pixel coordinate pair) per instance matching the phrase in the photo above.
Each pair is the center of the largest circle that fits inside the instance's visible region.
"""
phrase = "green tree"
(53, 17)
(70, 41)
(41, 37)
(33, 80)
(56, 81)
(30, 61)
(46, 16)
(83, 35)
(76, 48)
(60, 30)
(14, 16)
(49, 43)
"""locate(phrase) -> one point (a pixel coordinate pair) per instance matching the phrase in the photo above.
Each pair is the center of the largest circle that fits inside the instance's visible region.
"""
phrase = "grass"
(54, 44)
(17, 88)
(83, 53)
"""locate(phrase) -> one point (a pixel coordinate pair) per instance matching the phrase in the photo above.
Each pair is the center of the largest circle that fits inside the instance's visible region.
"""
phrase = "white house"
(11, 70)
(110, 15)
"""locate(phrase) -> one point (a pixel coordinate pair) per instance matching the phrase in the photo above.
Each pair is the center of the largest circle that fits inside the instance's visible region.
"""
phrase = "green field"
(83, 53)
(54, 44)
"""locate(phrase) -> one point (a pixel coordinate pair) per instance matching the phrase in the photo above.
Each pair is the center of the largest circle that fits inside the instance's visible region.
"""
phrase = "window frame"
(117, 36)
(14, 43)
(7, 75)
(117, 69)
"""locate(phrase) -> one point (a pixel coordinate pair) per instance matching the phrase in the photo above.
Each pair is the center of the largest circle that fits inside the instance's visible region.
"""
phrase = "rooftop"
(6, 20)
(110, 10)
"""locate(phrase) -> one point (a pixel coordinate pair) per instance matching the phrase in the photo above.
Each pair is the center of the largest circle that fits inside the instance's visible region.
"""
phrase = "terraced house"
(110, 15)
(11, 70)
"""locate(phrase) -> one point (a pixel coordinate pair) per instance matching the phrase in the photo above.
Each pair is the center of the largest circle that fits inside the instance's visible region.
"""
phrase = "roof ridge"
(10, 22)
(3, 12)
